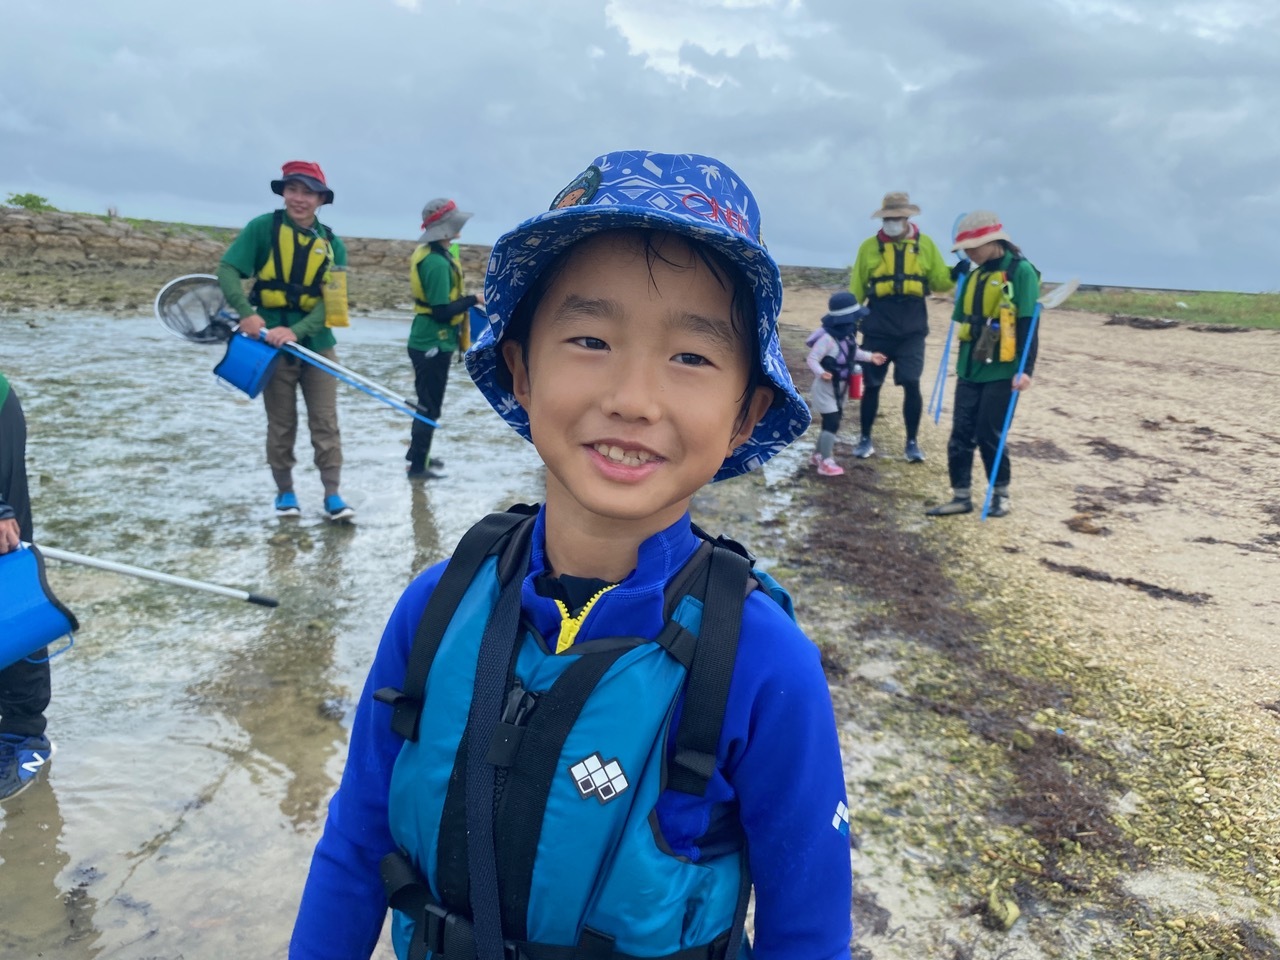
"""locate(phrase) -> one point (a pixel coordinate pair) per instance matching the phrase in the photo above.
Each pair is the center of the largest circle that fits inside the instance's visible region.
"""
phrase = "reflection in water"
(278, 688)
(51, 921)
(426, 535)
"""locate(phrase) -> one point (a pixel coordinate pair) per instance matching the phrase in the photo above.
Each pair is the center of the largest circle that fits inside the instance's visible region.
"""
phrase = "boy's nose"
(634, 392)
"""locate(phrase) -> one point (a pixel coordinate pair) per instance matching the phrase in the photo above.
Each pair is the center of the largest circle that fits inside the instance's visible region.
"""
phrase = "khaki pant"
(320, 394)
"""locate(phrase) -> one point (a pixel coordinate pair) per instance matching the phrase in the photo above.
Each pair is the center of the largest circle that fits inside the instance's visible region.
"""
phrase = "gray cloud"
(1129, 141)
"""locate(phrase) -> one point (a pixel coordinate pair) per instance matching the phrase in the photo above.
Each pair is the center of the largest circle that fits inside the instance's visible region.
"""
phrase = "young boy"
(549, 790)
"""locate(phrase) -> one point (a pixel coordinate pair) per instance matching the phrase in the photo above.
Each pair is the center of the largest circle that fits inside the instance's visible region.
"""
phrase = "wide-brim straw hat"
(895, 205)
(977, 228)
(442, 220)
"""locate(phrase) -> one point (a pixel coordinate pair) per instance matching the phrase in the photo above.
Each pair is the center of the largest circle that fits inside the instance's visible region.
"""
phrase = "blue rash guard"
(778, 759)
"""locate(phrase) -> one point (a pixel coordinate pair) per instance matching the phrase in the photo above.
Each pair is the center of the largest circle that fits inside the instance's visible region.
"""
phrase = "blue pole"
(938, 397)
(1008, 417)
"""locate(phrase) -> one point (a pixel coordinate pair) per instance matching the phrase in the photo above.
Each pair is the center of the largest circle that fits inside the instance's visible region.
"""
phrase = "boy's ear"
(760, 402)
(513, 355)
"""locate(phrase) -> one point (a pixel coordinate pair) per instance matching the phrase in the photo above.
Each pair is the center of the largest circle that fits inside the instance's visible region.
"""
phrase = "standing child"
(527, 776)
(833, 352)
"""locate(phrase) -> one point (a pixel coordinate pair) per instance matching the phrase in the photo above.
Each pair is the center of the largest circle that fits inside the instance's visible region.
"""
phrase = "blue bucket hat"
(697, 197)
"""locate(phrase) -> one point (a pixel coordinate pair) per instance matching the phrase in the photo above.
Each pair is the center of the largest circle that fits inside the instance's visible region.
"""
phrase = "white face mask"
(895, 228)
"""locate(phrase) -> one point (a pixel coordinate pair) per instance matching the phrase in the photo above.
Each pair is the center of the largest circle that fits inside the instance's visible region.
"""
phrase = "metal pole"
(145, 574)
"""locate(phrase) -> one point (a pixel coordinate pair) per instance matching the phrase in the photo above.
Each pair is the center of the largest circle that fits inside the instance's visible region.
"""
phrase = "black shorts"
(905, 353)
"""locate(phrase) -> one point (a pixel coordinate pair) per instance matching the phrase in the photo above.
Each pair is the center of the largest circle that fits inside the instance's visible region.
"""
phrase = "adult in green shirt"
(1000, 293)
(893, 273)
(288, 253)
(441, 324)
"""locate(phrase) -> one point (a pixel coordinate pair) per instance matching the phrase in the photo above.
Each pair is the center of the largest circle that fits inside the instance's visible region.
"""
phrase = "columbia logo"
(841, 820)
(600, 778)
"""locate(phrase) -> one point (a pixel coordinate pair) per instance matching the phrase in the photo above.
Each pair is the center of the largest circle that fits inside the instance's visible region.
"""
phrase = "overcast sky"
(1134, 141)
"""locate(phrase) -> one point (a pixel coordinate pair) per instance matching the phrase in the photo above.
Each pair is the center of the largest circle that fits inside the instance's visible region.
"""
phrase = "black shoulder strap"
(483, 540)
(707, 690)
(277, 221)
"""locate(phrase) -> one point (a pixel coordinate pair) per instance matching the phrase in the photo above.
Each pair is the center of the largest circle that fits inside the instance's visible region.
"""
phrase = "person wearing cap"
(994, 320)
(289, 253)
(25, 685)
(633, 340)
(441, 310)
(833, 351)
(893, 273)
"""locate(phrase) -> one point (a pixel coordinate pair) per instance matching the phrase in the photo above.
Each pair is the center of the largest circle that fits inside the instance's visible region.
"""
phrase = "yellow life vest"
(420, 305)
(293, 276)
(898, 273)
(987, 298)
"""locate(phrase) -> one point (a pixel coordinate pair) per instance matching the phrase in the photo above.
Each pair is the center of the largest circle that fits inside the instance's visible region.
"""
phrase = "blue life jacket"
(569, 861)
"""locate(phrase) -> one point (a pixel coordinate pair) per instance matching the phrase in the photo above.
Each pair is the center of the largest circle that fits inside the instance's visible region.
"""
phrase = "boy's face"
(633, 382)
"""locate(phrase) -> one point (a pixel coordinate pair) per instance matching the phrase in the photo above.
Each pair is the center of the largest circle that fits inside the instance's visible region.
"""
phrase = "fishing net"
(193, 307)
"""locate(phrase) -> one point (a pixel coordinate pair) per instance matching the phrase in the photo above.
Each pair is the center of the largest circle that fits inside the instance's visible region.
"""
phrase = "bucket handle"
(71, 642)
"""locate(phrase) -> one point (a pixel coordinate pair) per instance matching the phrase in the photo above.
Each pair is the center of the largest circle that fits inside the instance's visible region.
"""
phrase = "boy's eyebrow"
(717, 330)
(575, 305)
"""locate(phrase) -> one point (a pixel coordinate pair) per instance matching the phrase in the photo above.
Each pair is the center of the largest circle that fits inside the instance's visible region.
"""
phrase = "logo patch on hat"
(582, 189)
(599, 778)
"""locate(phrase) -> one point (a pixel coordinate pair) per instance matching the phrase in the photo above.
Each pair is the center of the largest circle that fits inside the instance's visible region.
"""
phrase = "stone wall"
(84, 240)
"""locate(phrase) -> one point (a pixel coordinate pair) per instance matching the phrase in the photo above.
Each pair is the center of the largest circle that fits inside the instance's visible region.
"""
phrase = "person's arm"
(786, 770)
(821, 348)
(9, 533)
(242, 260)
(859, 273)
(935, 268)
(437, 283)
(229, 282)
(343, 903)
(1026, 290)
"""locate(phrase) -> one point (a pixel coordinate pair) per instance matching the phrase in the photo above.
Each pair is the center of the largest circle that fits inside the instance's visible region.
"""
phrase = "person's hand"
(9, 537)
(1022, 382)
(279, 336)
(960, 268)
(826, 375)
(879, 359)
(479, 295)
(252, 325)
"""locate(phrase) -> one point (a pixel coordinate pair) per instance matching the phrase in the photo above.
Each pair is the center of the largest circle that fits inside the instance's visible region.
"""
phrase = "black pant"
(976, 421)
(907, 356)
(430, 377)
(24, 686)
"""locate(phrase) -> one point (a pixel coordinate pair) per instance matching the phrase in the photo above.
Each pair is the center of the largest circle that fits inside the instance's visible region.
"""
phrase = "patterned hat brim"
(520, 256)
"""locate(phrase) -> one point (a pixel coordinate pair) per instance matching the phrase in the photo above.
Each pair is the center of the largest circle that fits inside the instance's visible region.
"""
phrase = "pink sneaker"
(829, 468)
(815, 459)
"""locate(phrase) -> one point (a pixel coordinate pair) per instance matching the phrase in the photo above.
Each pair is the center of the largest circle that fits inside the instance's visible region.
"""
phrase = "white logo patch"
(841, 820)
(599, 778)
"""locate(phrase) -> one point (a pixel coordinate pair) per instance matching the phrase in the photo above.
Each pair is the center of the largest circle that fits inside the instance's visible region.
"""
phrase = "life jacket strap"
(446, 935)
(481, 541)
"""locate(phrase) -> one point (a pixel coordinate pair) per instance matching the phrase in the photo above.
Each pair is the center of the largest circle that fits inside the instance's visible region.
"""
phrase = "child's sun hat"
(695, 196)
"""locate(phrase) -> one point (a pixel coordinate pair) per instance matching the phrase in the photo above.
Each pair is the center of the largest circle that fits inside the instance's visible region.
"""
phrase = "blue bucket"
(479, 321)
(31, 617)
(248, 364)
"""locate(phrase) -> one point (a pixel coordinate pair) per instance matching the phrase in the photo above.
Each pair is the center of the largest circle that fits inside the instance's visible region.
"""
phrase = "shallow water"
(198, 737)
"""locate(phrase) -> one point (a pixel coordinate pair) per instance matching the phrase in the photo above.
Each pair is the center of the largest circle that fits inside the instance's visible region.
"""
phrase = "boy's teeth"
(618, 455)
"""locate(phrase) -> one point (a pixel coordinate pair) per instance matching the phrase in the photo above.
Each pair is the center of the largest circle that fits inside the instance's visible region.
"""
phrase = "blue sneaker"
(287, 504)
(21, 760)
(335, 508)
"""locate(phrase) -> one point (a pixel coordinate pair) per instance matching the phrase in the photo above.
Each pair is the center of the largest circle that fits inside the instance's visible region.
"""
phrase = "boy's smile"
(633, 378)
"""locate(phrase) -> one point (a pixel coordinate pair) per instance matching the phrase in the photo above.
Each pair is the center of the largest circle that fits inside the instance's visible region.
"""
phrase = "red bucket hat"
(306, 173)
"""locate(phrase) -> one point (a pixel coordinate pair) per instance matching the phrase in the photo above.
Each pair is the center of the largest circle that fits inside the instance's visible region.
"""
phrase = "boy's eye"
(691, 359)
(591, 343)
